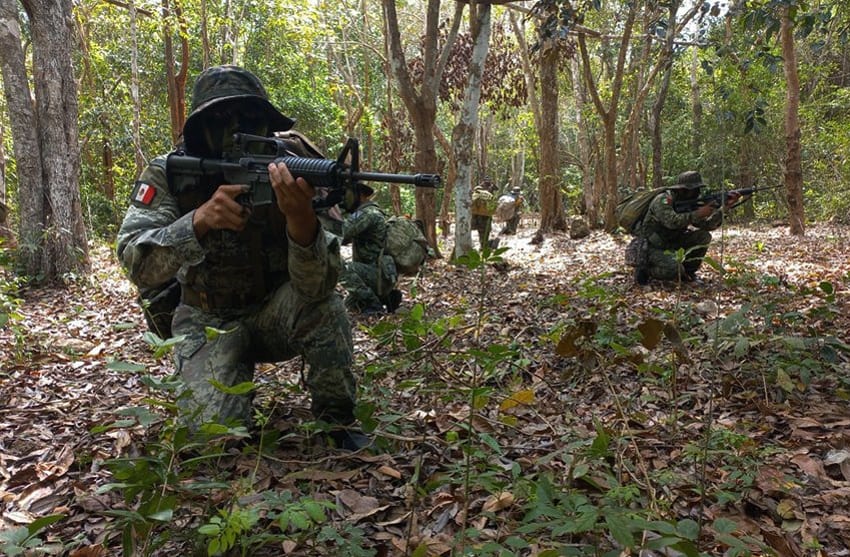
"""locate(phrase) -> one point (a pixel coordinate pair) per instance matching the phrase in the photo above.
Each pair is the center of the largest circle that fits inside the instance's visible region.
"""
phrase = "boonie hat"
(690, 179)
(227, 83)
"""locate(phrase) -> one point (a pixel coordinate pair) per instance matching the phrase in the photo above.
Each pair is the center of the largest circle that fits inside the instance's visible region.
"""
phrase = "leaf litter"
(551, 302)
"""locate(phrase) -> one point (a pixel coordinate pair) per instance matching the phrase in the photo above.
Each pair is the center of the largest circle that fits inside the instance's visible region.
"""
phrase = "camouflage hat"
(690, 179)
(228, 83)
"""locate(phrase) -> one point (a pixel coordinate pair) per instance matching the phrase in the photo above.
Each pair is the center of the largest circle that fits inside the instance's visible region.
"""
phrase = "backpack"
(632, 209)
(506, 208)
(483, 203)
(406, 244)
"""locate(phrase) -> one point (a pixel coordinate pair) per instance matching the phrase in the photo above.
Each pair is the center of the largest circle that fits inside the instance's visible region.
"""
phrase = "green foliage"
(10, 302)
(25, 540)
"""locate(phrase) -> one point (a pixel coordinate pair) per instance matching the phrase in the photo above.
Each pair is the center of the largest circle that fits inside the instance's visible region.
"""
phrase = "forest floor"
(726, 399)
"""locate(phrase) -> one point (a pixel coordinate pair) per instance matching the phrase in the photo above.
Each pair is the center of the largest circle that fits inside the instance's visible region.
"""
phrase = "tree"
(464, 132)
(544, 104)
(52, 236)
(421, 102)
(793, 164)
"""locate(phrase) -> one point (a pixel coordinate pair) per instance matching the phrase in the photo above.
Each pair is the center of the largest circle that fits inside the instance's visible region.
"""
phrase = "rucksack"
(505, 208)
(483, 203)
(632, 209)
(406, 244)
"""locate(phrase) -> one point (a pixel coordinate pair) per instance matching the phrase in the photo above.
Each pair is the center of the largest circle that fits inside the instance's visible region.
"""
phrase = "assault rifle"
(248, 161)
(718, 199)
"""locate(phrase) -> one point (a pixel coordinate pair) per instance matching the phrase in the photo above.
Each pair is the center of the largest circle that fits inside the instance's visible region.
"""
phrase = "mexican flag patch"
(143, 194)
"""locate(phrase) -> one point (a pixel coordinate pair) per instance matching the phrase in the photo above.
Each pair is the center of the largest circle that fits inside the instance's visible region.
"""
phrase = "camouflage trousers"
(662, 260)
(366, 286)
(511, 224)
(284, 327)
(482, 224)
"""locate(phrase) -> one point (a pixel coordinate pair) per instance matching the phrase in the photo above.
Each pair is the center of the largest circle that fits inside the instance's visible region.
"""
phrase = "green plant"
(10, 303)
(25, 540)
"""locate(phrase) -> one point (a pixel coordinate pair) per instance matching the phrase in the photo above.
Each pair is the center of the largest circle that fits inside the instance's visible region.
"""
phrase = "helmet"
(516, 190)
(229, 83)
(690, 180)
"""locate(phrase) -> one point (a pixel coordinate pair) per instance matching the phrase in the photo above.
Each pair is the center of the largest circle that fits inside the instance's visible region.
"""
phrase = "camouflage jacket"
(366, 229)
(663, 226)
(157, 241)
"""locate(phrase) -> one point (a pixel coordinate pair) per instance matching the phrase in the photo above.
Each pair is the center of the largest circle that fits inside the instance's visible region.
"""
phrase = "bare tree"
(421, 102)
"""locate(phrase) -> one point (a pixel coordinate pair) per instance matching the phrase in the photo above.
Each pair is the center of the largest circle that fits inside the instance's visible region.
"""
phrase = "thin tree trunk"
(696, 109)
(793, 163)
(448, 182)
(463, 136)
(175, 79)
(139, 156)
(590, 198)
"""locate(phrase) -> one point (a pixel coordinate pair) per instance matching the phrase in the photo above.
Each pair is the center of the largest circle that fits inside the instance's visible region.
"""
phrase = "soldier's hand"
(295, 200)
(703, 212)
(732, 198)
(222, 211)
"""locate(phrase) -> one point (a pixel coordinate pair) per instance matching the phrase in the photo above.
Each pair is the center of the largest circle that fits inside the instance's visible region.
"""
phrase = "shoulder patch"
(144, 195)
(668, 199)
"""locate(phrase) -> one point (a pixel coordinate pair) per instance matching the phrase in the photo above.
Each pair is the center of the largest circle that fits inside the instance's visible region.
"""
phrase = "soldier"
(265, 276)
(483, 207)
(666, 231)
(371, 276)
(512, 223)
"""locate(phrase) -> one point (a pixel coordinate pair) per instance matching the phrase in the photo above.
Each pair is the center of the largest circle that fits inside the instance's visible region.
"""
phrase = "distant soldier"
(483, 207)
(371, 275)
(512, 221)
(665, 231)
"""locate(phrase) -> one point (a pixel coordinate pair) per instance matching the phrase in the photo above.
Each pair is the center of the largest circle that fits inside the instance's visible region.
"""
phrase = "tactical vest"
(240, 268)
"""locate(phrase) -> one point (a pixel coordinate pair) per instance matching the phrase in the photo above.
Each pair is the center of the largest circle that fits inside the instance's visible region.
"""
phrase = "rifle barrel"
(419, 180)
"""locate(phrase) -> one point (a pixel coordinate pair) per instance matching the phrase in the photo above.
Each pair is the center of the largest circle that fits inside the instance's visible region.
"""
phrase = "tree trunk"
(422, 104)
(663, 88)
(175, 79)
(696, 109)
(551, 208)
(464, 134)
(590, 199)
(139, 156)
(64, 244)
(448, 182)
(609, 115)
(6, 236)
(793, 163)
(25, 145)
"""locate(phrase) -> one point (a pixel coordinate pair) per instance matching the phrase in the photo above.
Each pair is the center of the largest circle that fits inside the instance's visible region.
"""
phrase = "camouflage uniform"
(371, 275)
(667, 231)
(271, 298)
